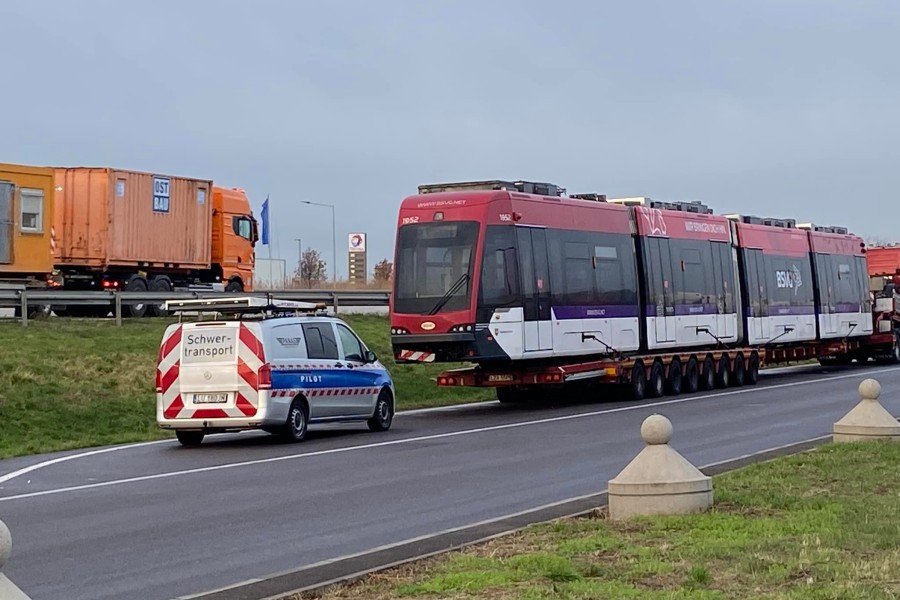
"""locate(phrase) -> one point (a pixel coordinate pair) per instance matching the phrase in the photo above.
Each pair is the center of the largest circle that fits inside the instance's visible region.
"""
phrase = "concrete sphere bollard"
(8, 590)
(869, 389)
(868, 420)
(658, 480)
(656, 430)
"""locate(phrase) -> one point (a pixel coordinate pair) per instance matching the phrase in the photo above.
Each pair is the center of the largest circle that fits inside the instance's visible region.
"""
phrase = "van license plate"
(500, 377)
(210, 398)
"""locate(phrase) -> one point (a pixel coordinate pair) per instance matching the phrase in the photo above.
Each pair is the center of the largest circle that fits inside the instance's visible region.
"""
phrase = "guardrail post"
(8, 590)
(118, 308)
(23, 297)
(334, 300)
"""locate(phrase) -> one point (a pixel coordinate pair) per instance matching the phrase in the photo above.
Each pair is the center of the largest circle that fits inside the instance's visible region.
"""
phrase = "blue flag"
(264, 216)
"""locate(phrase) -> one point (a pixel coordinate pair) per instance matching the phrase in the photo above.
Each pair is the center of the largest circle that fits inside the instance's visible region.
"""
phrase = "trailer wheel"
(675, 379)
(752, 369)
(692, 376)
(638, 381)
(738, 373)
(723, 375)
(708, 376)
(895, 350)
(657, 383)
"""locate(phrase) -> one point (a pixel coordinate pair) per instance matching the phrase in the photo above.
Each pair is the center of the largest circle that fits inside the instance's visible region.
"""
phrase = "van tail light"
(264, 377)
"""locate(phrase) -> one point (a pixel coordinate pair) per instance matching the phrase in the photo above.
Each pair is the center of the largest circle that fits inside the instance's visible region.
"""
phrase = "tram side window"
(848, 291)
(499, 273)
(753, 285)
(578, 274)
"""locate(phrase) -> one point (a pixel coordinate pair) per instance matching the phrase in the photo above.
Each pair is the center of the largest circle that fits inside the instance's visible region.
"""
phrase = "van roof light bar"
(242, 304)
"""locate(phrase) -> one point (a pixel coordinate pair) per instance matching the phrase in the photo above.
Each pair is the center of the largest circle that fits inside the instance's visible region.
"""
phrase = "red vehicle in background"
(536, 288)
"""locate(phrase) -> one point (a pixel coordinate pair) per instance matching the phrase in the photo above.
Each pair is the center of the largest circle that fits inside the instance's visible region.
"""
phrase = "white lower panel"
(580, 336)
(838, 325)
(764, 329)
(685, 331)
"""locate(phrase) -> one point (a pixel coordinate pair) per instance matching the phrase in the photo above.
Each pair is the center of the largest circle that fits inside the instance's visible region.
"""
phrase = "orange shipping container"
(107, 217)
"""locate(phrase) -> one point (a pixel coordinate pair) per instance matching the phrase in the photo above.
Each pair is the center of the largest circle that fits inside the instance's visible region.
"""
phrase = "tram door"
(535, 269)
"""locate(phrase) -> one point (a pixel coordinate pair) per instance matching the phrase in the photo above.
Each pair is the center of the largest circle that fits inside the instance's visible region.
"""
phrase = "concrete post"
(658, 480)
(8, 590)
(868, 420)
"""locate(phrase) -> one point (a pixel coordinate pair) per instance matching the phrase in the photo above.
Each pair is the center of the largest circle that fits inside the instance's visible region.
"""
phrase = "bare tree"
(383, 271)
(312, 268)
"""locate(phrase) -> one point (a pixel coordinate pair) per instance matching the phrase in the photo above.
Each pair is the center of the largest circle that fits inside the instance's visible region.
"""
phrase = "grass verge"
(819, 525)
(68, 384)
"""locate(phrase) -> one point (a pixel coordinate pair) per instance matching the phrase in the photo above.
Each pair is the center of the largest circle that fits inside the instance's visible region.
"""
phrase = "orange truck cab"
(234, 234)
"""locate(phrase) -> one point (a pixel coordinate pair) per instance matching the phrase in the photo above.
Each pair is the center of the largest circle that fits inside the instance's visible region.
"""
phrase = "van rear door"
(209, 381)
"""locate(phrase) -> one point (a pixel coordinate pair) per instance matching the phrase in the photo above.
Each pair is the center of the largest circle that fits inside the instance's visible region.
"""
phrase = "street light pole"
(333, 237)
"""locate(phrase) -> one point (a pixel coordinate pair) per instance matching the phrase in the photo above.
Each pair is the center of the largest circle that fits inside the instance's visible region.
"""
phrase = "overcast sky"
(784, 108)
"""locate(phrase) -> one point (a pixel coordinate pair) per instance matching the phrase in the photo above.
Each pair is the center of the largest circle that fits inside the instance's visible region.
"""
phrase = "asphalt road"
(158, 521)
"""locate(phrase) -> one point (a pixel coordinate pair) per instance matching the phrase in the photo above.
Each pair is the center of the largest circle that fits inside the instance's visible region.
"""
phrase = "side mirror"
(370, 356)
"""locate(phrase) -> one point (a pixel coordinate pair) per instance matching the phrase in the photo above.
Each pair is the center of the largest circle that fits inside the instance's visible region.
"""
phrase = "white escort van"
(275, 365)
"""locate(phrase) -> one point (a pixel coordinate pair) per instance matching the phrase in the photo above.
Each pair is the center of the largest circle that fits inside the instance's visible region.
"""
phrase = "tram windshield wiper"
(450, 293)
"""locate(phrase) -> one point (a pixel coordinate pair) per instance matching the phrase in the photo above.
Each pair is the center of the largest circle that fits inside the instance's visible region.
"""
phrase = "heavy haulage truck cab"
(539, 288)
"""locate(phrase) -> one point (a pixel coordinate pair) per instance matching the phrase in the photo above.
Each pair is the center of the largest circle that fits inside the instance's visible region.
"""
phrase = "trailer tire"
(752, 376)
(895, 350)
(691, 376)
(675, 380)
(656, 385)
(638, 381)
(739, 372)
(708, 376)
(723, 374)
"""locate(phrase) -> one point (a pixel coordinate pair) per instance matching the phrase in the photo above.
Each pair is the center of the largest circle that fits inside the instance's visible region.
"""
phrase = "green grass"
(78, 383)
(819, 525)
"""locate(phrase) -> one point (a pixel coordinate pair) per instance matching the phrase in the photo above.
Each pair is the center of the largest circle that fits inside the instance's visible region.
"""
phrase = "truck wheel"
(708, 377)
(638, 381)
(692, 376)
(384, 412)
(738, 373)
(234, 287)
(894, 357)
(189, 438)
(656, 387)
(675, 380)
(752, 376)
(136, 310)
(297, 422)
(159, 285)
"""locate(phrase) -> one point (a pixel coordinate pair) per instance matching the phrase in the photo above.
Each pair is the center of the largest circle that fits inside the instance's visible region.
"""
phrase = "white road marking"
(417, 411)
(423, 438)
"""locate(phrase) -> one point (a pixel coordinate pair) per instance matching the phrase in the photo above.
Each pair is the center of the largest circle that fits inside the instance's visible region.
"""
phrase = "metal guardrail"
(22, 299)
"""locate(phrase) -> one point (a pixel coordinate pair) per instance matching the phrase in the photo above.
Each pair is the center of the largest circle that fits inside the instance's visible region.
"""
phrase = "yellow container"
(27, 236)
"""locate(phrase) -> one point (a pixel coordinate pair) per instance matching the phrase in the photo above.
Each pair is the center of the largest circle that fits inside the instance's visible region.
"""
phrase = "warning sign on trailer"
(209, 346)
